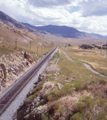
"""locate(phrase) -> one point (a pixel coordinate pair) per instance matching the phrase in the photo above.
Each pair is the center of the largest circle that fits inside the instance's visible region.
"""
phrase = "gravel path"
(85, 64)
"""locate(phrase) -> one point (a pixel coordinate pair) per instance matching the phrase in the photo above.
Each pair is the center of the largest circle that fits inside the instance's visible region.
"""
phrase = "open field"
(93, 57)
(73, 41)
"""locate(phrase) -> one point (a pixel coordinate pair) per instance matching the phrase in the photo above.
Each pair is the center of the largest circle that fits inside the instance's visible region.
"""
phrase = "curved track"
(6, 100)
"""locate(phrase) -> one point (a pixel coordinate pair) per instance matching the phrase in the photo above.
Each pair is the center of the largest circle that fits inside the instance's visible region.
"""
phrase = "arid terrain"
(74, 84)
(68, 90)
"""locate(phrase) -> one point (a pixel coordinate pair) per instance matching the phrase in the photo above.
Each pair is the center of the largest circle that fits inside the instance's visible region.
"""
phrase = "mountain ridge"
(9, 20)
(62, 31)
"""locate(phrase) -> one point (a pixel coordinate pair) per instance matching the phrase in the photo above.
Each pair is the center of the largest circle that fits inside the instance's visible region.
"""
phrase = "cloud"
(94, 8)
(47, 3)
(85, 15)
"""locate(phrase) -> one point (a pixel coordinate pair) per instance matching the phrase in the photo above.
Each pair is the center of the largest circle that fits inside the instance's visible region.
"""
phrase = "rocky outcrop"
(3, 75)
(12, 66)
(28, 57)
(59, 85)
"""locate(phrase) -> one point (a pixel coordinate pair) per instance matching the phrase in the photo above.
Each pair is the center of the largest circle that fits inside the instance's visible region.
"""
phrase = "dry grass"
(79, 98)
(93, 57)
(26, 40)
(82, 85)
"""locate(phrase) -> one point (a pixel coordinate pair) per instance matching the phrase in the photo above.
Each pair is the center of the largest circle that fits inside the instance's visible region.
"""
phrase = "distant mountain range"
(99, 36)
(62, 31)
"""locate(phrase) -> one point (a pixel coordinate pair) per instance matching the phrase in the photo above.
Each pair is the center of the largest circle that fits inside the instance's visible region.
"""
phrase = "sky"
(84, 15)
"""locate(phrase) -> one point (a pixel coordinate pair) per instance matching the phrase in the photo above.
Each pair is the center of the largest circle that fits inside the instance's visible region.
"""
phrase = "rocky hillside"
(9, 20)
(12, 66)
(10, 33)
(12, 30)
(16, 38)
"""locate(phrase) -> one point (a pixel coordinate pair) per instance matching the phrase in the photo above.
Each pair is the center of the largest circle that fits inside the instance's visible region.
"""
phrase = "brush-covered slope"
(12, 30)
(10, 34)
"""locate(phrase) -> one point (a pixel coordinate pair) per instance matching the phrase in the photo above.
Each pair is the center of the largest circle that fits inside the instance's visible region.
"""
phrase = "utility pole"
(37, 50)
(100, 48)
(16, 43)
(41, 48)
(106, 49)
(44, 49)
(30, 46)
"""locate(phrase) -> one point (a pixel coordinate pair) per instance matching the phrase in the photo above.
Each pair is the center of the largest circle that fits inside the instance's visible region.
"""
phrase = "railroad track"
(7, 99)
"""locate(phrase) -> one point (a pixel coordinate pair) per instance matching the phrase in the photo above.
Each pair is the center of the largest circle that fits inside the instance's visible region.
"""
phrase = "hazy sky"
(85, 15)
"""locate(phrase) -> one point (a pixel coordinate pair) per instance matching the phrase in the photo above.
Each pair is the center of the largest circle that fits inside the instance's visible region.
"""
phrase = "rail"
(6, 100)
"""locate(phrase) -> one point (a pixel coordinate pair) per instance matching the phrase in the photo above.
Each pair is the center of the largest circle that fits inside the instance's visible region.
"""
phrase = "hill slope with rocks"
(15, 42)
(9, 20)
(10, 30)
(12, 66)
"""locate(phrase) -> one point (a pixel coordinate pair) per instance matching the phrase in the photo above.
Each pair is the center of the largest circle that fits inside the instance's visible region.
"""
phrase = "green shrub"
(80, 86)
(88, 100)
(64, 91)
(56, 55)
(102, 103)
(85, 46)
(58, 93)
(50, 98)
(27, 101)
(55, 105)
(31, 97)
(101, 116)
(102, 82)
(79, 107)
(44, 117)
(76, 116)
(88, 115)
(35, 91)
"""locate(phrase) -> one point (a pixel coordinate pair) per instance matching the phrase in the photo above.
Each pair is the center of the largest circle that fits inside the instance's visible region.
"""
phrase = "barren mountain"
(9, 20)
(62, 31)
(12, 30)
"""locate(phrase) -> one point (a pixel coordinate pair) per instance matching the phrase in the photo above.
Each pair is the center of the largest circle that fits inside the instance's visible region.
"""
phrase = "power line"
(50, 6)
(46, 3)
(75, 8)
(106, 49)
(60, 12)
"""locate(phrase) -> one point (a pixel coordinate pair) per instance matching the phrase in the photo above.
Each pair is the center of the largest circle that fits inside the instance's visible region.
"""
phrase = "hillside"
(62, 31)
(99, 36)
(12, 30)
(7, 19)
(15, 40)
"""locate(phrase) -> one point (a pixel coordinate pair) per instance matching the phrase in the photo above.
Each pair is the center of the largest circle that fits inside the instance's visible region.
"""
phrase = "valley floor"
(68, 90)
